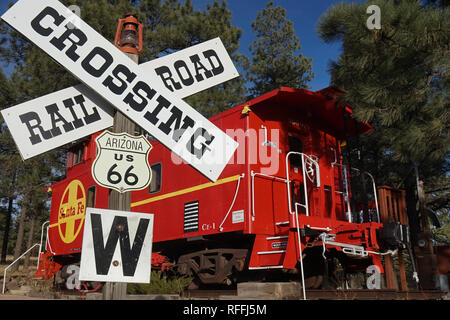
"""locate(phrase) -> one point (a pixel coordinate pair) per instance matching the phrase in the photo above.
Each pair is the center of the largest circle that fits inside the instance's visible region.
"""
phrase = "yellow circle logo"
(71, 211)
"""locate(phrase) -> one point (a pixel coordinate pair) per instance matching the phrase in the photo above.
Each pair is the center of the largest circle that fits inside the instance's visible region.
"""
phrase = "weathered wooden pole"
(424, 252)
(128, 40)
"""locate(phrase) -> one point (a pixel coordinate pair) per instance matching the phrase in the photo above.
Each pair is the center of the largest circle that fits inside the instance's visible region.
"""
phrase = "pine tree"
(397, 79)
(276, 60)
(7, 169)
(170, 26)
(438, 3)
(438, 201)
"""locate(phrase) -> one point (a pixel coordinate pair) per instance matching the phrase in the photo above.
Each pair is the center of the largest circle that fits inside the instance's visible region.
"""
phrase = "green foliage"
(275, 58)
(159, 284)
(438, 201)
(438, 3)
(397, 79)
(171, 26)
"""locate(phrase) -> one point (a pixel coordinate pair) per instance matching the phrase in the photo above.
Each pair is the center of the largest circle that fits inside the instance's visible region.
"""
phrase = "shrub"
(159, 284)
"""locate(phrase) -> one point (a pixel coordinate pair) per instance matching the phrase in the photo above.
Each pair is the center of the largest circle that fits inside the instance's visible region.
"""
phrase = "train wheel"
(320, 272)
(212, 266)
(313, 267)
(314, 282)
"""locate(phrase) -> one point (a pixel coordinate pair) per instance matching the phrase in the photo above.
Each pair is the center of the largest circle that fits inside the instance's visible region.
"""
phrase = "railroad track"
(207, 294)
(351, 294)
(381, 294)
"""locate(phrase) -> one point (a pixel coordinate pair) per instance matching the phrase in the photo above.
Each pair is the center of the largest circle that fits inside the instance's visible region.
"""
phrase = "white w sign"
(117, 246)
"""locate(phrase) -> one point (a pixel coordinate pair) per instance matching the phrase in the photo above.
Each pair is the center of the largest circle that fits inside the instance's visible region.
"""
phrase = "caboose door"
(296, 193)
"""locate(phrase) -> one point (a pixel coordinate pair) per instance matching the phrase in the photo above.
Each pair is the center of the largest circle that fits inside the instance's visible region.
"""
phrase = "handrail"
(345, 177)
(306, 206)
(347, 194)
(232, 203)
(42, 235)
(49, 244)
(300, 257)
(40, 243)
(374, 193)
(374, 190)
(4, 273)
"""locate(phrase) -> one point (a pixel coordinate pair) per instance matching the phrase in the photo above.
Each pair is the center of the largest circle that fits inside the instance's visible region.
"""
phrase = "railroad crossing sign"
(78, 111)
(136, 93)
(56, 119)
(121, 162)
(117, 246)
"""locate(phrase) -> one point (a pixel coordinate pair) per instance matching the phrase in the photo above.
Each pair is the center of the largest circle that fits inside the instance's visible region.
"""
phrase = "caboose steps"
(271, 252)
(266, 267)
(268, 252)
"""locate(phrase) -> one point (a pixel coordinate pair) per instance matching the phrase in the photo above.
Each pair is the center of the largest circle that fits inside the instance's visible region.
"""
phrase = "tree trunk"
(6, 233)
(30, 240)
(413, 215)
(8, 220)
(19, 243)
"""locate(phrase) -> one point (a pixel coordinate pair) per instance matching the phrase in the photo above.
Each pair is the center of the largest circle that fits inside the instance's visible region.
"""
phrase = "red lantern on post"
(129, 35)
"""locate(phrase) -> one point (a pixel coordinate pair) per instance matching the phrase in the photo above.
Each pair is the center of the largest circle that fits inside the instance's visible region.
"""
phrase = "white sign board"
(114, 76)
(121, 162)
(165, 69)
(56, 119)
(117, 246)
(193, 69)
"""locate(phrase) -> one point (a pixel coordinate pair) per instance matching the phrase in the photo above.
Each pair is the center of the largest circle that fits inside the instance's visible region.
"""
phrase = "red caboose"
(283, 202)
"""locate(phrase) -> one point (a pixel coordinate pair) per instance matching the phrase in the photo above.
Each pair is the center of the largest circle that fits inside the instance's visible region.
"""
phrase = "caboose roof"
(320, 106)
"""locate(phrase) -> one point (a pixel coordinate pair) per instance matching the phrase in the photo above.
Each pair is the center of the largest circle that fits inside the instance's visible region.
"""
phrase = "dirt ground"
(21, 277)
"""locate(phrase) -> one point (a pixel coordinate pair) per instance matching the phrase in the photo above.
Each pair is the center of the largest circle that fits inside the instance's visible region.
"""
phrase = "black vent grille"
(191, 216)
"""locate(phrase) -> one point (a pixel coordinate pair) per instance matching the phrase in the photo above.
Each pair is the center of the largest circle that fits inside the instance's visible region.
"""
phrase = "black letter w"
(119, 230)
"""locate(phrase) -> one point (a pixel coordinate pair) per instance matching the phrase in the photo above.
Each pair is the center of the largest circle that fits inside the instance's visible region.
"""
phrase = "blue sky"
(303, 13)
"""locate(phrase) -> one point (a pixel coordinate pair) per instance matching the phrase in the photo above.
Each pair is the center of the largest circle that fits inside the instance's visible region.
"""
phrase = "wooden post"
(401, 266)
(392, 205)
(385, 216)
(426, 259)
(120, 201)
(389, 272)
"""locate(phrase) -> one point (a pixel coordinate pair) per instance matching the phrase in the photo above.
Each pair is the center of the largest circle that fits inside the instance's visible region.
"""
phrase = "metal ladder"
(310, 162)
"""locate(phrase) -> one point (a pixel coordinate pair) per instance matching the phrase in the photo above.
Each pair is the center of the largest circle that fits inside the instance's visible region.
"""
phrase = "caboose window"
(155, 184)
(295, 144)
(90, 201)
(77, 154)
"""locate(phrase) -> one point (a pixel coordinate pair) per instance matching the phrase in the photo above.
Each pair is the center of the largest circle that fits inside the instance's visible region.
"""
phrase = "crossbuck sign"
(115, 77)
(40, 125)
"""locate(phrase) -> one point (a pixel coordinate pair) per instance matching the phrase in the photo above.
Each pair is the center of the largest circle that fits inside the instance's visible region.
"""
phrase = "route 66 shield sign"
(121, 162)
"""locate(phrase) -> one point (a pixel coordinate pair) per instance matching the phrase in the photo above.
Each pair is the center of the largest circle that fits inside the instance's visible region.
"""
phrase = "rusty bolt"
(115, 263)
(119, 227)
